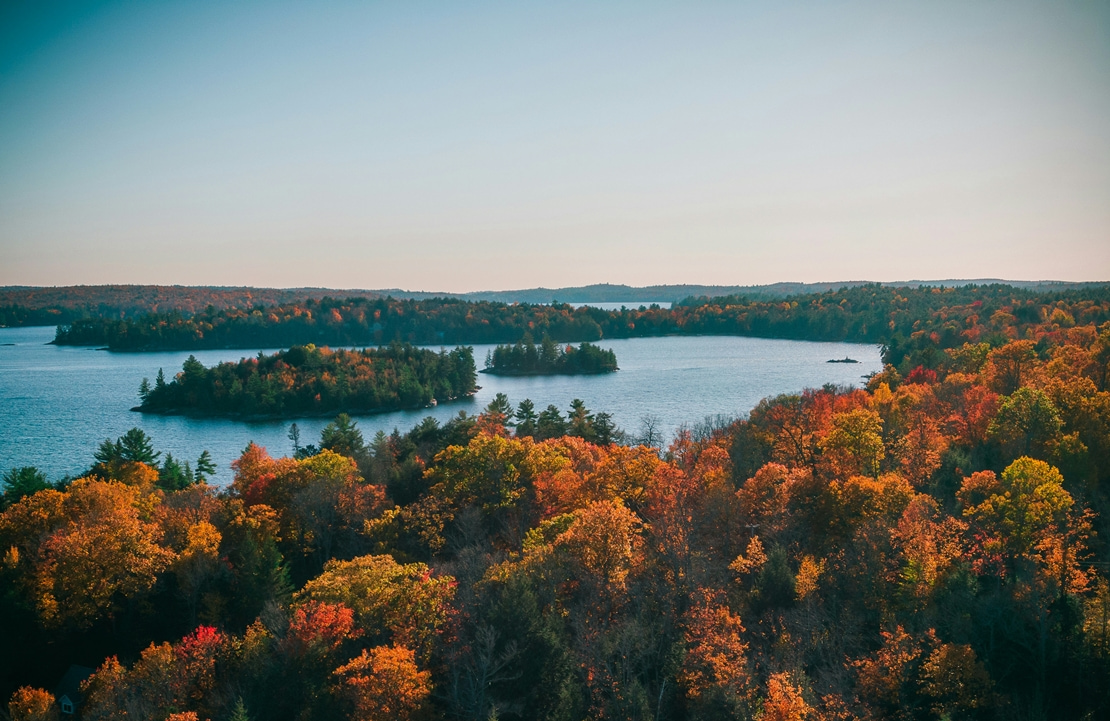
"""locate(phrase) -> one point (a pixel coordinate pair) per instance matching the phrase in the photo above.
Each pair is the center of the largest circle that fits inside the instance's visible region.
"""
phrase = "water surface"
(57, 403)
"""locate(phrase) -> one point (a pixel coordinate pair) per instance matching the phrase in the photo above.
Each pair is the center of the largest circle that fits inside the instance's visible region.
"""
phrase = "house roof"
(70, 684)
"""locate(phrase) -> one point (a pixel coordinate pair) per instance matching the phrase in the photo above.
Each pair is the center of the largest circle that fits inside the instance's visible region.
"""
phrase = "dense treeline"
(306, 380)
(928, 547)
(15, 316)
(120, 301)
(525, 359)
(338, 323)
(914, 324)
(26, 306)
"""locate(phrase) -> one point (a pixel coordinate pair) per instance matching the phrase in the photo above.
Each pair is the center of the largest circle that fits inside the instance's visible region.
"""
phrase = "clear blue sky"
(465, 146)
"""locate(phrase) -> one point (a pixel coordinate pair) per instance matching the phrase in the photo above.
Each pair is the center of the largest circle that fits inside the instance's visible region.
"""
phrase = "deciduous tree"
(384, 684)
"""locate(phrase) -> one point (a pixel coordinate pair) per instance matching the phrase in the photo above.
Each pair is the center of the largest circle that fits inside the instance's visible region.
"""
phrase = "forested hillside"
(914, 324)
(929, 547)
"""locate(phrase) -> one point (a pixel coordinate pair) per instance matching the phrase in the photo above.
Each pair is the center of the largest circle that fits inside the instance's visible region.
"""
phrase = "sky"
(471, 146)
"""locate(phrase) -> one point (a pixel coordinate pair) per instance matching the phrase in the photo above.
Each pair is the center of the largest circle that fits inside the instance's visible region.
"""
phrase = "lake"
(58, 403)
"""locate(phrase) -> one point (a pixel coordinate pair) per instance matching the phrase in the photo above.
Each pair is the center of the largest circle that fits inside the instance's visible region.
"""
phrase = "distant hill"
(611, 293)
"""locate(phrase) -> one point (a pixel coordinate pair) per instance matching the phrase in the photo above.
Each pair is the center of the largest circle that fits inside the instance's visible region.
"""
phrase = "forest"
(306, 380)
(930, 546)
(62, 305)
(28, 306)
(914, 324)
(524, 358)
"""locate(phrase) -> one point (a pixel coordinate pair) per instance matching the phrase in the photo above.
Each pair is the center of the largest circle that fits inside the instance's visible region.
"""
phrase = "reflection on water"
(58, 403)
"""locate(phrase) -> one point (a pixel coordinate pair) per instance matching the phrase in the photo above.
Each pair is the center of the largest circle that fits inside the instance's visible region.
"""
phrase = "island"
(526, 359)
(845, 359)
(310, 381)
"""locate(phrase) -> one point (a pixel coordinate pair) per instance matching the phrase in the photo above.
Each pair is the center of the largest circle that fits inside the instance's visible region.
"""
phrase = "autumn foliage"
(927, 547)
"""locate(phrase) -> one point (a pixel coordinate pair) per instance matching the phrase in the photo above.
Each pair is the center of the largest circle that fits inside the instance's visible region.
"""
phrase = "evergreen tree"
(205, 467)
(107, 452)
(342, 436)
(171, 476)
(525, 419)
(581, 420)
(549, 354)
(500, 410)
(136, 445)
(20, 482)
(239, 712)
(295, 436)
(604, 430)
(550, 423)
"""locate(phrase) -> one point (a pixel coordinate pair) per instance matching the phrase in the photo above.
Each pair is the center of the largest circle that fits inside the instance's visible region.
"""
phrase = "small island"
(526, 359)
(845, 359)
(310, 381)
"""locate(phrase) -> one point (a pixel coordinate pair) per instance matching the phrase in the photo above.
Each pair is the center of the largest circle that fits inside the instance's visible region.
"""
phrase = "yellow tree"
(487, 472)
(1027, 423)
(402, 601)
(604, 540)
(320, 499)
(384, 684)
(32, 704)
(81, 551)
(764, 498)
(854, 443)
(1023, 505)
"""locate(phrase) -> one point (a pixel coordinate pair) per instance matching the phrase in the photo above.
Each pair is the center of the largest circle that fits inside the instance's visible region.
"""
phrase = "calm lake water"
(58, 403)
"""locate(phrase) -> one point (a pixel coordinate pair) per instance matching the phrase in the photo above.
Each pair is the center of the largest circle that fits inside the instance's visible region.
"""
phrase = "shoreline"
(256, 417)
(528, 374)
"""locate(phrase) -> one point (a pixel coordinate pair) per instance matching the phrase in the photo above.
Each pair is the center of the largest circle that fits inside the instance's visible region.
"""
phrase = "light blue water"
(58, 403)
(626, 304)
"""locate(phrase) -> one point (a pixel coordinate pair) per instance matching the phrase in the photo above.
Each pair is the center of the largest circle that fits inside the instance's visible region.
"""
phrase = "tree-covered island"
(526, 359)
(306, 381)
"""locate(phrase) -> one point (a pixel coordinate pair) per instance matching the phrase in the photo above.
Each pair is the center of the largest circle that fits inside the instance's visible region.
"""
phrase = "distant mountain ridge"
(611, 293)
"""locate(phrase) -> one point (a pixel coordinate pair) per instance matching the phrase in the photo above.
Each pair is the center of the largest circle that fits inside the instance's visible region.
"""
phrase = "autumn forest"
(929, 545)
